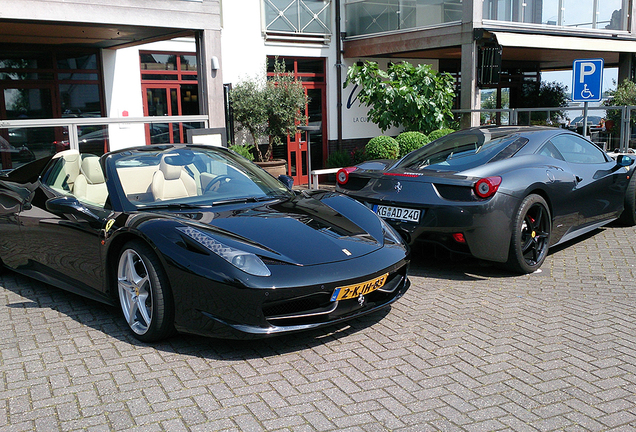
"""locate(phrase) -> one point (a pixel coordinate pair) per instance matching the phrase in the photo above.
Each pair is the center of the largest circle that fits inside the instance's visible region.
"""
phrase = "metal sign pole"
(585, 104)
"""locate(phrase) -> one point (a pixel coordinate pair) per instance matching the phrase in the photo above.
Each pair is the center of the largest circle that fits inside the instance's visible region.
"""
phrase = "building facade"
(121, 59)
(496, 44)
(63, 60)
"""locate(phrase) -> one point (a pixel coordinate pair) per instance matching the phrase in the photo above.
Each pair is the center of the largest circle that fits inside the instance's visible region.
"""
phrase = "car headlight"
(390, 233)
(245, 261)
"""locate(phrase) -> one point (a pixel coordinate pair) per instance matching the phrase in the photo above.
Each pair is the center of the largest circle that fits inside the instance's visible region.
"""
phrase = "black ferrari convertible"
(197, 239)
(502, 194)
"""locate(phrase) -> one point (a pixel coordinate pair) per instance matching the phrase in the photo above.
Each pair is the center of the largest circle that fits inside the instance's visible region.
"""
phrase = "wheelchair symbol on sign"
(586, 93)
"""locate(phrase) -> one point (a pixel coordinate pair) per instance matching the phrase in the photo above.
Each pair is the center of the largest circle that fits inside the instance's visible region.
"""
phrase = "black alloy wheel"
(530, 236)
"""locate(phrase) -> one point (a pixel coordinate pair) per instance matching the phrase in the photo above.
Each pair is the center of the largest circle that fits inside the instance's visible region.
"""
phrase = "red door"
(297, 155)
(311, 71)
(162, 100)
(297, 147)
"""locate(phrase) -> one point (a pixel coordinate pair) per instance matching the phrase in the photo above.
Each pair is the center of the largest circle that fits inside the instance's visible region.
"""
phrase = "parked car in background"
(11, 155)
(199, 240)
(595, 123)
(503, 194)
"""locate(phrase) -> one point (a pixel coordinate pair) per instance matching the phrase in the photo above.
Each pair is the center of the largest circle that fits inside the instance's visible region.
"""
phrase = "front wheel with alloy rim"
(530, 238)
(144, 293)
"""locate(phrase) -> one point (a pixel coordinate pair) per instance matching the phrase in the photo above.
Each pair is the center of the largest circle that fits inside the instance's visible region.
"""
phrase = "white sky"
(610, 75)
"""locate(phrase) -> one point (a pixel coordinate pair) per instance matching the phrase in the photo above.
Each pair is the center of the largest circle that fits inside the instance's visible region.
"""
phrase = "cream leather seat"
(172, 181)
(90, 184)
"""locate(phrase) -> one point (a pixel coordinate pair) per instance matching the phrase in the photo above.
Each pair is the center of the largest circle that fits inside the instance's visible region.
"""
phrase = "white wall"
(355, 119)
(122, 86)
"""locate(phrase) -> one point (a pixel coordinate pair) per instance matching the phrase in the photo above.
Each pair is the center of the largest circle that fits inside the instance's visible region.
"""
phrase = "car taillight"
(343, 174)
(486, 187)
(459, 238)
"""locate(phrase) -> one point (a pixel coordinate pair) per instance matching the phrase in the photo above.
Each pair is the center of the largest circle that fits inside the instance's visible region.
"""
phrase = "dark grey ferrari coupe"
(502, 194)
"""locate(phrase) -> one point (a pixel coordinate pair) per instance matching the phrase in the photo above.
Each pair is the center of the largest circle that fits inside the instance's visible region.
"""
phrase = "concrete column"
(210, 77)
(625, 67)
(469, 96)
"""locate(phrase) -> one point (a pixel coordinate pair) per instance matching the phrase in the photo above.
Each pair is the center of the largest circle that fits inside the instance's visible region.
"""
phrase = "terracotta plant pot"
(275, 167)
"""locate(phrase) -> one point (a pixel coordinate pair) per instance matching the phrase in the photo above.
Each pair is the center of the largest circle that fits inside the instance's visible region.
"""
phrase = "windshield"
(191, 176)
(464, 150)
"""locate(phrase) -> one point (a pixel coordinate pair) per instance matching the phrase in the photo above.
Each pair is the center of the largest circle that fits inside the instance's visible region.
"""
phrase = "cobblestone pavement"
(468, 348)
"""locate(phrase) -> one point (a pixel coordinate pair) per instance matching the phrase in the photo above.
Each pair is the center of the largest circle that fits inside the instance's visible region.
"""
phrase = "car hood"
(304, 230)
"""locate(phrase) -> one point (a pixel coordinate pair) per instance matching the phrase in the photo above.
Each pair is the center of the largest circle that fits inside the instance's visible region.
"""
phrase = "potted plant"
(269, 107)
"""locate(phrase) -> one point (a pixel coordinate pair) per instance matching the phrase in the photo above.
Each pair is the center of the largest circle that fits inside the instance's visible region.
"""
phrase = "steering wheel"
(216, 183)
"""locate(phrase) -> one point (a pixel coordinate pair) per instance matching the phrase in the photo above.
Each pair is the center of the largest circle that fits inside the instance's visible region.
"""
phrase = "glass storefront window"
(19, 146)
(610, 15)
(34, 60)
(188, 63)
(77, 61)
(34, 103)
(77, 77)
(298, 16)
(80, 100)
(93, 139)
(161, 77)
(189, 99)
(157, 61)
(169, 81)
(591, 14)
(377, 16)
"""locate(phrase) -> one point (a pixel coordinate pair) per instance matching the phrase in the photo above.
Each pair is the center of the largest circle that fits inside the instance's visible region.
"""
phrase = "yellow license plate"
(353, 291)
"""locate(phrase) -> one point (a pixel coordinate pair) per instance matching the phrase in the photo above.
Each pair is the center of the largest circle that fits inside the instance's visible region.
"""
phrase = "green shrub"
(243, 150)
(409, 141)
(382, 147)
(436, 134)
(339, 159)
(358, 155)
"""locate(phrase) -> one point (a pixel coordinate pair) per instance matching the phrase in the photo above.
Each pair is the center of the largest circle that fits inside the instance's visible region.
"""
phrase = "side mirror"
(70, 205)
(286, 180)
(624, 160)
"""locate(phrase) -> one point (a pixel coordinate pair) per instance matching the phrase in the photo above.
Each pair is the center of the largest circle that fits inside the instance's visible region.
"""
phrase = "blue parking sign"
(587, 80)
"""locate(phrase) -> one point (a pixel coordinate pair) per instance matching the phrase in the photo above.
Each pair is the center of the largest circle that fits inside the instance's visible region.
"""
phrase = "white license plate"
(399, 213)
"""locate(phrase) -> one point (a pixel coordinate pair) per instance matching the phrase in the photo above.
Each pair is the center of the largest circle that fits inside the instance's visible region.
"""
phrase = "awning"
(558, 42)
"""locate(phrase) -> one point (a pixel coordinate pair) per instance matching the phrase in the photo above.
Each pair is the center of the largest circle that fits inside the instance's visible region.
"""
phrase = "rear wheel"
(628, 217)
(530, 235)
(144, 293)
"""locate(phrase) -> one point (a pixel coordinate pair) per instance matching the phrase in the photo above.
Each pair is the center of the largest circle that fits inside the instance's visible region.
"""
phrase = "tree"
(273, 107)
(624, 95)
(547, 94)
(415, 97)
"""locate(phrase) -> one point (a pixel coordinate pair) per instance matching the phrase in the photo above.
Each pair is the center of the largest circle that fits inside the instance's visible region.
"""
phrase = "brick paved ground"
(469, 348)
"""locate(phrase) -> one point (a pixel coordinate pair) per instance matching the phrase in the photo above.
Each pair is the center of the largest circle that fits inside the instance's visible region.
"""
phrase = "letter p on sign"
(587, 69)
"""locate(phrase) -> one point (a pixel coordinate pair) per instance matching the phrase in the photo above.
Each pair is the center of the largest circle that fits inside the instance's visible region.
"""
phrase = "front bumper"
(293, 299)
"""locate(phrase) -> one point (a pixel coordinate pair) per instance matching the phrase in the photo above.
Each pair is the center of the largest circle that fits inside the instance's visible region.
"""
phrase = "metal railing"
(30, 139)
(625, 140)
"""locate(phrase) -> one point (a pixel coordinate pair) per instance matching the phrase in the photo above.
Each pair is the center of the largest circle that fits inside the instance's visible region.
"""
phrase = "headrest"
(170, 172)
(92, 170)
